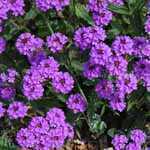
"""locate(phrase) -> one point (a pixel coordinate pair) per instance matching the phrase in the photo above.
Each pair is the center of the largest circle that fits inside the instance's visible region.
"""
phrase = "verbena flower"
(63, 82)
(138, 136)
(119, 142)
(91, 71)
(7, 93)
(56, 42)
(102, 17)
(100, 53)
(77, 103)
(17, 110)
(123, 45)
(147, 25)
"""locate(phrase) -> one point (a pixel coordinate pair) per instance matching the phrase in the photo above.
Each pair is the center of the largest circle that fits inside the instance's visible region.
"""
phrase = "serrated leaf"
(81, 12)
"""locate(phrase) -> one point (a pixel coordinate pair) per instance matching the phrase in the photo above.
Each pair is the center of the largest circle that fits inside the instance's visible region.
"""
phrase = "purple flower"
(17, 110)
(59, 4)
(70, 131)
(2, 110)
(147, 25)
(102, 17)
(12, 74)
(117, 104)
(25, 138)
(2, 45)
(56, 42)
(104, 89)
(91, 71)
(27, 43)
(77, 103)
(142, 72)
(127, 83)
(132, 146)
(43, 5)
(7, 93)
(3, 10)
(48, 67)
(36, 57)
(146, 49)
(39, 125)
(98, 34)
(138, 136)
(123, 45)
(117, 65)
(138, 44)
(63, 82)
(85, 37)
(82, 38)
(100, 53)
(16, 6)
(55, 117)
(96, 5)
(119, 142)
(117, 2)
(33, 91)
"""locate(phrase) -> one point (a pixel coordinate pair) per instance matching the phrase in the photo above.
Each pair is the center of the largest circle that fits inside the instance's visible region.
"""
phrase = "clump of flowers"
(17, 110)
(135, 140)
(45, 5)
(56, 42)
(48, 132)
(63, 82)
(77, 103)
(147, 25)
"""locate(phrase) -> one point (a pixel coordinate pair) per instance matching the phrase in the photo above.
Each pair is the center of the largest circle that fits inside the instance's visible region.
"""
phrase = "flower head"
(77, 103)
(17, 110)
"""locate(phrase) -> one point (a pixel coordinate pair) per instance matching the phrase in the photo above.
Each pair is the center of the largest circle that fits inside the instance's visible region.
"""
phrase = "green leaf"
(111, 132)
(6, 144)
(31, 14)
(119, 9)
(97, 125)
(82, 13)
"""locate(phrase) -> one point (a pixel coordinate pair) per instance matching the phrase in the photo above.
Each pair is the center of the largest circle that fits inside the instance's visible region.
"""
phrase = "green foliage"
(6, 144)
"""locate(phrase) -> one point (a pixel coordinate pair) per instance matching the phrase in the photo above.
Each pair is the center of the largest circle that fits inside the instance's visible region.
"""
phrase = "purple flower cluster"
(142, 72)
(116, 2)
(119, 142)
(91, 71)
(85, 37)
(113, 61)
(63, 82)
(147, 25)
(2, 110)
(45, 5)
(2, 45)
(7, 81)
(47, 69)
(136, 139)
(17, 110)
(56, 42)
(46, 133)
(27, 44)
(101, 15)
(123, 45)
(15, 7)
(77, 103)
